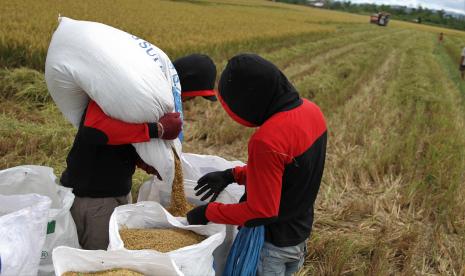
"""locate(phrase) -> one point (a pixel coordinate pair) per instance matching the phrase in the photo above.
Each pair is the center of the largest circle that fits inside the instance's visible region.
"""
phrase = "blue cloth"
(245, 252)
(176, 90)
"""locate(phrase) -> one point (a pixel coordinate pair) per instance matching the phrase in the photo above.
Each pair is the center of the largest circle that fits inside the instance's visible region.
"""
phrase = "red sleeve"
(240, 174)
(117, 132)
(265, 169)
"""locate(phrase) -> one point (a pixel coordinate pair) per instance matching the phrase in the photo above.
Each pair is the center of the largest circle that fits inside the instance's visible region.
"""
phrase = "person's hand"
(198, 215)
(169, 126)
(147, 168)
(213, 184)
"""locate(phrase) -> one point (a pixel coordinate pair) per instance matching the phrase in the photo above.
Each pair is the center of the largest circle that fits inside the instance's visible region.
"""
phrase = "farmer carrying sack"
(129, 78)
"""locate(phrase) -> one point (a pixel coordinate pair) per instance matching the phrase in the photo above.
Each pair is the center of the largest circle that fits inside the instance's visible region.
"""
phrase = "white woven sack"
(129, 78)
(66, 259)
(30, 179)
(195, 166)
(192, 260)
(23, 224)
(158, 193)
(61, 229)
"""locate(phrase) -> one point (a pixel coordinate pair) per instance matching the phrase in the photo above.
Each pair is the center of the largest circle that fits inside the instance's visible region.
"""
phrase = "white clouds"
(450, 5)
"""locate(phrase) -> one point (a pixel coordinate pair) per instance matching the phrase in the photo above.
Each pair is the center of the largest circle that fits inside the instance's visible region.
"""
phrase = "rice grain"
(117, 271)
(179, 206)
(162, 240)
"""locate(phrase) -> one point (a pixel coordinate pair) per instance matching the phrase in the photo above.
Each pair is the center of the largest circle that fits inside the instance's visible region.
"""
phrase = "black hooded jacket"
(102, 160)
(286, 154)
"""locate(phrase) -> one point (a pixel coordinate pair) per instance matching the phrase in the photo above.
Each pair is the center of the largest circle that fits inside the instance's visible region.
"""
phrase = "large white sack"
(23, 224)
(41, 180)
(129, 78)
(162, 194)
(192, 260)
(66, 259)
(204, 164)
(159, 193)
(30, 179)
(195, 166)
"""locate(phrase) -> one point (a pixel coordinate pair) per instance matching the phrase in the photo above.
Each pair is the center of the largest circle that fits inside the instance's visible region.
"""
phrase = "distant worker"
(462, 64)
(286, 157)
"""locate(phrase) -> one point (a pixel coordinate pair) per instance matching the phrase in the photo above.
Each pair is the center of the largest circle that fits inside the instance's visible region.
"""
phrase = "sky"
(448, 5)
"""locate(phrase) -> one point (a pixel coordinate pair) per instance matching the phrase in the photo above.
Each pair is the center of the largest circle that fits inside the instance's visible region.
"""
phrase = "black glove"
(213, 183)
(198, 215)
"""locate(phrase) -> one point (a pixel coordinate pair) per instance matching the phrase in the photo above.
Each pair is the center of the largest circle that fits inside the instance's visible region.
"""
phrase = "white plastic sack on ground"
(156, 190)
(61, 229)
(195, 166)
(129, 78)
(191, 260)
(23, 225)
(204, 164)
(66, 259)
(160, 193)
(28, 180)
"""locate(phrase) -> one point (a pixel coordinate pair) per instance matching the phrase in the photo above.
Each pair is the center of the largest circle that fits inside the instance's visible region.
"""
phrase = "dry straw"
(392, 198)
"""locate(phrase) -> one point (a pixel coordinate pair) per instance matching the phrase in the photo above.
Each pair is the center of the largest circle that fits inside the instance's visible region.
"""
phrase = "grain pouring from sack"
(179, 206)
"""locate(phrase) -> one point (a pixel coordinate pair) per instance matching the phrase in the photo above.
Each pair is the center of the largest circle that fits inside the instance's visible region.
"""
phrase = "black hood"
(252, 89)
(197, 74)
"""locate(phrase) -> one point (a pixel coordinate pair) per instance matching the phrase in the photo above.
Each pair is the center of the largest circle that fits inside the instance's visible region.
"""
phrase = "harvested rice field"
(392, 200)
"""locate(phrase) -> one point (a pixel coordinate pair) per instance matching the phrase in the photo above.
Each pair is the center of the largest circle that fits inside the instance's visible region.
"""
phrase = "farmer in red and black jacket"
(286, 157)
(102, 160)
(100, 166)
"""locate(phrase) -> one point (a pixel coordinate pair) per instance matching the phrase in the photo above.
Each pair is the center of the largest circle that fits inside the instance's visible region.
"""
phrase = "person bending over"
(286, 157)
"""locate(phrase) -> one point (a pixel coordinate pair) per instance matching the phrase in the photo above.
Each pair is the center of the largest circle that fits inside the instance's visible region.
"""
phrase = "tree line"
(419, 14)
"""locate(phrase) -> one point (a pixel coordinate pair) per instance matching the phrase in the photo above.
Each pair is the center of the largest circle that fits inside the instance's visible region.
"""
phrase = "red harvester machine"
(380, 18)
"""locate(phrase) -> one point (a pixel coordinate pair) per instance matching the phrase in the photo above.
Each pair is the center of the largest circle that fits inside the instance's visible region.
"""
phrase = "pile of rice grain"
(162, 240)
(117, 271)
(179, 206)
